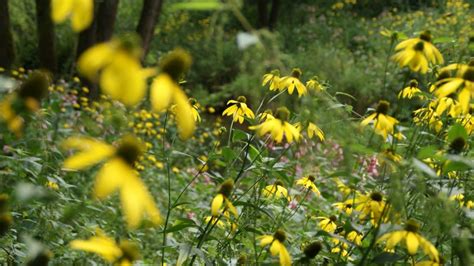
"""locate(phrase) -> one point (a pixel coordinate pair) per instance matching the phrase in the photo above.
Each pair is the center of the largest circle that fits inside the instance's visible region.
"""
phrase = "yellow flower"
(222, 199)
(355, 237)
(278, 127)
(308, 182)
(166, 91)
(52, 185)
(342, 187)
(215, 220)
(412, 240)
(276, 191)
(411, 91)
(293, 82)
(371, 205)
(266, 115)
(276, 246)
(427, 115)
(272, 78)
(122, 253)
(195, 110)
(314, 130)
(446, 104)
(121, 74)
(238, 110)
(383, 123)
(328, 224)
(463, 81)
(116, 174)
(313, 84)
(416, 53)
(80, 11)
(14, 108)
(345, 207)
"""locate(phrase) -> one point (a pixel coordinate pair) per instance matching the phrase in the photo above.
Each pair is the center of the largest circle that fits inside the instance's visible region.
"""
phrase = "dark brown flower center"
(296, 72)
(382, 107)
(412, 226)
(312, 249)
(376, 196)
(457, 145)
(469, 74)
(226, 188)
(419, 46)
(311, 178)
(426, 36)
(129, 150)
(280, 236)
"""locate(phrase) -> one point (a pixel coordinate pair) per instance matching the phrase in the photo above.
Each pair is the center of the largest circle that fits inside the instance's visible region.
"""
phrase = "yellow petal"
(275, 247)
(161, 93)
(217, 204)
(95, 58)
(91, 152)
(101, 245)
(60, 9)
(266, 240)
(137, 203)
(113, 175)
(83, 13)
(184, 115)
(285, 259)
(412, 243)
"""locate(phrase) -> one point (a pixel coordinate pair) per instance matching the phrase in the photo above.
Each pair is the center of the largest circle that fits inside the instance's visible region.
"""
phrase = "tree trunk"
(87, 37)
(7, 52)
(46, 38)
(262, 13)
(106, 20)
(274, 14)
(146, 26)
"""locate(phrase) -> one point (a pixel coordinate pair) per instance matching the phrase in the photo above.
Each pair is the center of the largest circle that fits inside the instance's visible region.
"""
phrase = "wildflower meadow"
(236, 132)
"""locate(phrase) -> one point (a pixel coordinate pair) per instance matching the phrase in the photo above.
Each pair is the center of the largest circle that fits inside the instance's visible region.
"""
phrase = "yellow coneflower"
(446, 104)
(277, 248)
(116, 174)
(411, 91)
(328, 224)
(80, 11)
(383, 123)
(195, 105)
(122, 253)
(25, 100)
(314, 130)
(116, 64)
(293, 82)
(371, 205)
(222, 199)
(412, 240)
(463, 81)
(266, 115)
(238, 109)
(416, 53)
(276, 190)
(165, 91)
(343, 188)
(355, 237)
(313, 84)
(278, 127)
(308, 182)
(427, 115)
(345, 207)
(272, 78)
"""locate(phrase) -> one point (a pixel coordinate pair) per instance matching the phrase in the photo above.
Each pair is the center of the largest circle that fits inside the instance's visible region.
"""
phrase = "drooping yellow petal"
(90, 152)
(412, 243)
(82, 15)
(184, 115)
(275, 247)
(266, 240)
(161, 92)
(137, 203)
(124, 80)
(113, 175)
(217, 204)
(101, 245)
(285, 259)
(95, 58)
(60, 9)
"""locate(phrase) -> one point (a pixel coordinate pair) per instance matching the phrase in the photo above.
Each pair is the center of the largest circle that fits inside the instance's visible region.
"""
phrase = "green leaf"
(427, 152)
(424, 168)
(239, 135)
(254, 153)
(457, 131)
(199, 5)
(386, 257)
(228, 154)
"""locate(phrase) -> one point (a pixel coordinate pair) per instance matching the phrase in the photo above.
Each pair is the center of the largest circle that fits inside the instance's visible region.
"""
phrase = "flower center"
(242, 99)
(419, 46)
(457, 145)
(129, 250)
(382, 107)
(296, 72)
(414, 83)
(278, 183)
(333, 218)
(469, 74)
(312, 249)
(412, 226)
(176, 63)
(311, 178)
(35, 87)
(280, 235)
(283, 113)
(129, 150)
(426, 36)
(226, 188)
(376, 196)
